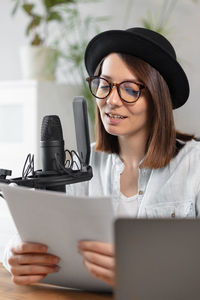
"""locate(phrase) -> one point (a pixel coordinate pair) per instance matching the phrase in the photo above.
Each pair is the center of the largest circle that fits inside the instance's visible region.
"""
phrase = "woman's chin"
(113, 130)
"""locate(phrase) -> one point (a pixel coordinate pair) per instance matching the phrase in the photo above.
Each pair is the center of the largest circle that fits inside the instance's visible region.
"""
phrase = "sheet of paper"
(60, 221)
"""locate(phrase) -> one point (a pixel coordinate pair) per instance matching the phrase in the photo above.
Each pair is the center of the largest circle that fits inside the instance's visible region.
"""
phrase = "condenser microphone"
(52, 145)
(57, 171)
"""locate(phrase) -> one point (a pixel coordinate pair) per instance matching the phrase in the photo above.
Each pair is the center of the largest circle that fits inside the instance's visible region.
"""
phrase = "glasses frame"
(112, 84)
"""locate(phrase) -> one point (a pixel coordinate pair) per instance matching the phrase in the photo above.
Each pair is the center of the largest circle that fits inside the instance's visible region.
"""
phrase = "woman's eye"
(104, 87)
(130, 91)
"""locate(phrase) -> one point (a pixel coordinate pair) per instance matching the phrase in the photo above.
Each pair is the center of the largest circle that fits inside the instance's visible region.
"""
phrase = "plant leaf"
(35, 22)
(28, 8)
(54, 16)
(50, 3)
(36, 40)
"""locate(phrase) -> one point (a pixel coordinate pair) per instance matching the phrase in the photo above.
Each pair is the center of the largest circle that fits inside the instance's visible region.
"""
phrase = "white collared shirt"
(171, 191)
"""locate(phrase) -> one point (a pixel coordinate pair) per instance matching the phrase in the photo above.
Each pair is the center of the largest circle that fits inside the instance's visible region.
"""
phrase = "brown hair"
(162, 144)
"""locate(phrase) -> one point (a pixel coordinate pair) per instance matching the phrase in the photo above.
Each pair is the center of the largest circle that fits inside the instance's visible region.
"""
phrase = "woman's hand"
(99, 260)
(30, 263)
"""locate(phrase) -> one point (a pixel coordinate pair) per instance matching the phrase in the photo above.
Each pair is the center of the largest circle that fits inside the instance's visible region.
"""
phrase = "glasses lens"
(100, 88)
(129, 91)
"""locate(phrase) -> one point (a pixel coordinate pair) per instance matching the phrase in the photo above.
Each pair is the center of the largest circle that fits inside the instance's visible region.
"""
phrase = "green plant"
(37, 28)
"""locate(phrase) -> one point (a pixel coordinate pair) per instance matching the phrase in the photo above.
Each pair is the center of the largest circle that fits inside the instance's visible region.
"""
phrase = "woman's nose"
(114, 98)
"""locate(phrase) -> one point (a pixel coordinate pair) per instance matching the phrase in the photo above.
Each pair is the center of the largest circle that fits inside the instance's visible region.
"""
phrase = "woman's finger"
(29, 248)
(19, 259)
(106, 262)
(33, 270)
(101, 273)
(25, 280)
(99, 247)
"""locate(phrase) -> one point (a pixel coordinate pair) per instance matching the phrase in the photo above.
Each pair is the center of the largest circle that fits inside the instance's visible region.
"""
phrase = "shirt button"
(140, 192)
(173, 215)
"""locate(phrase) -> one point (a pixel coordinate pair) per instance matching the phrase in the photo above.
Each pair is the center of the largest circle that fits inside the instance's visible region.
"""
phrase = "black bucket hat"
(147, 45)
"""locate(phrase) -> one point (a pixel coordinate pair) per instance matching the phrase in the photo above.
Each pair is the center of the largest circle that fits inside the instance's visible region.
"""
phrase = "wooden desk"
(10, 291)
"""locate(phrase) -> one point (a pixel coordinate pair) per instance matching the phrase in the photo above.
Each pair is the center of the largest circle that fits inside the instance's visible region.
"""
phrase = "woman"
(139, 158)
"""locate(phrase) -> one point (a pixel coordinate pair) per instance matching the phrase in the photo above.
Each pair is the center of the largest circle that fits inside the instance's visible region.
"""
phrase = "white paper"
(60, 221)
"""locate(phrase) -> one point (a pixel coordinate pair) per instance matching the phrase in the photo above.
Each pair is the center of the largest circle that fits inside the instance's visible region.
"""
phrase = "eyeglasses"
(129, 91)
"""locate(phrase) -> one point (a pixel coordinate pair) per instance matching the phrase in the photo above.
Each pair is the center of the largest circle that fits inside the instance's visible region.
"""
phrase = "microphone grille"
(51, 129)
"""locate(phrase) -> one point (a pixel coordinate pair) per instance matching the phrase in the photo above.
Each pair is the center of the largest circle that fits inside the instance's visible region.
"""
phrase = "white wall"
(11, 37)
(184, 21)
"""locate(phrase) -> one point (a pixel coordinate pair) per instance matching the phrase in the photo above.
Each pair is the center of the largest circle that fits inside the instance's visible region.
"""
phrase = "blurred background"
(79, 20)
(41, 64)
(27, 27)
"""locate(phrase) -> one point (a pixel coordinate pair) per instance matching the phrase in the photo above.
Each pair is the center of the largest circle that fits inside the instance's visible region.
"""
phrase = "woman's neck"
(132, 149)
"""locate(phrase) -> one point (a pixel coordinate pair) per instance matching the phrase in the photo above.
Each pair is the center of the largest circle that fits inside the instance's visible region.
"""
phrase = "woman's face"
(133, 116)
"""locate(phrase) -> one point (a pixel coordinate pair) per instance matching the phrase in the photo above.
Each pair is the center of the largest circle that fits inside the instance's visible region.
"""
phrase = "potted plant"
(39, 59)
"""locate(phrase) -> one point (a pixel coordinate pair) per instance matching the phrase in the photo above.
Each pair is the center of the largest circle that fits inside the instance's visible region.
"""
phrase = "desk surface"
(9, 290)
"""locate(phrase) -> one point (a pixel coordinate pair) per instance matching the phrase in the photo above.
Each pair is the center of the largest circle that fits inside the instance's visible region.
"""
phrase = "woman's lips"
(115, 118)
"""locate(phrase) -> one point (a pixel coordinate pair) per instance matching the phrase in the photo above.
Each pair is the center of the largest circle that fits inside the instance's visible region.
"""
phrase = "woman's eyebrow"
(128, 79)
(106, 76)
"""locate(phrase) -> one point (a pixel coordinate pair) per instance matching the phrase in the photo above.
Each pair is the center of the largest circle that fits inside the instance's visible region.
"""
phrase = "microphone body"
(50, 150)
(52, 147)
